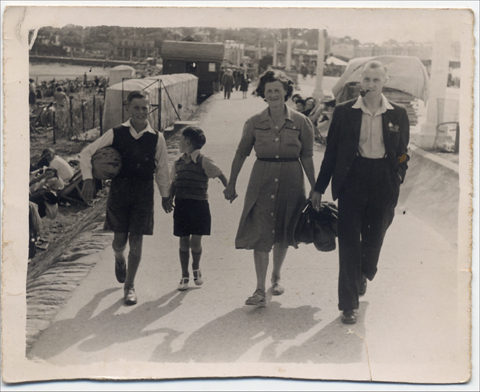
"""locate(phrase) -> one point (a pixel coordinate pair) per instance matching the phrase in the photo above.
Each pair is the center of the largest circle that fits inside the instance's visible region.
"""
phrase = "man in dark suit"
(366, 159)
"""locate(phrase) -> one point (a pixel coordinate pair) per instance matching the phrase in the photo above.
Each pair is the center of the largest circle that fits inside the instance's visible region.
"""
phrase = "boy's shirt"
(210, 168)
(161, 156)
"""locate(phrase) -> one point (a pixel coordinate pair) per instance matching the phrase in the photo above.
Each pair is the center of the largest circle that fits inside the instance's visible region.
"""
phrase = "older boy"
(130, 200)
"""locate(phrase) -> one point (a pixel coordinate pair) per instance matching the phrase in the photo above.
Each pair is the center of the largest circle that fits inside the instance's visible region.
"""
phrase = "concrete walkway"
(410, 326)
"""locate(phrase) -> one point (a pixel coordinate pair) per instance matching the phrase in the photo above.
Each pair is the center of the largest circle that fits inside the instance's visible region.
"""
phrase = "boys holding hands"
(191, 217)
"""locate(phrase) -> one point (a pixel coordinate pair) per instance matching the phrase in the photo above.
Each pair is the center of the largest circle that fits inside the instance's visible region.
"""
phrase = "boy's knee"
(135, 242)
(185, 244)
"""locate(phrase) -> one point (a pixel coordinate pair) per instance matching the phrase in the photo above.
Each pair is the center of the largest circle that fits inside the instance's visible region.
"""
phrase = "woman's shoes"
(197, 277)
(257, 299)
(183, 285)
(277, 288)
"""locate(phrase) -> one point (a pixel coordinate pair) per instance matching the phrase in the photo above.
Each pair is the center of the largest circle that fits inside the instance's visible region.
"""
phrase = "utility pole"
(318, 92)
(437, 85)
(288, 60)
(275, 49)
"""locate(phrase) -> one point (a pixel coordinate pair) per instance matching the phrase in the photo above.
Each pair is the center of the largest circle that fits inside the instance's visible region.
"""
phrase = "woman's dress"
(276, 191)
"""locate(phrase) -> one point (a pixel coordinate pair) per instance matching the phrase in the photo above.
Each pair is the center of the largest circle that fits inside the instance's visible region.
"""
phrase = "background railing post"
(83, 115)
(100, 109)
(93, 111)
(53, 127)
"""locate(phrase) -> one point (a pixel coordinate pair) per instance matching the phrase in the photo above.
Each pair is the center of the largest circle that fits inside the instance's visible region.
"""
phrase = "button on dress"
(276, 190)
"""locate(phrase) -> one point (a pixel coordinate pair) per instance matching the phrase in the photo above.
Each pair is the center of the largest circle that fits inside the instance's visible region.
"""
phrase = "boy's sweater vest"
(138, 155)
(191, 182)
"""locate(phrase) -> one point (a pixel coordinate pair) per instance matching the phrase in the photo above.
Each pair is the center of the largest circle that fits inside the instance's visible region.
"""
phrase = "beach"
(46, 72)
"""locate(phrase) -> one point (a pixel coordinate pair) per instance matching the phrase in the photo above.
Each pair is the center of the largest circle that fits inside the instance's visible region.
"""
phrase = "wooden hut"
(198, 58)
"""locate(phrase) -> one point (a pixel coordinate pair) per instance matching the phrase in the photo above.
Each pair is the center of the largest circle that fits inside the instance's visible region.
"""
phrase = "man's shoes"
(349, 317)
(257, 299)
(363, 286)
(120, 271)
(277, 288)
(197, 277)
(130, 297)
(183, 285)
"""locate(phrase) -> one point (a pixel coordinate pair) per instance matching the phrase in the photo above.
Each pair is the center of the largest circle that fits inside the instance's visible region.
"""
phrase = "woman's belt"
(278, 159)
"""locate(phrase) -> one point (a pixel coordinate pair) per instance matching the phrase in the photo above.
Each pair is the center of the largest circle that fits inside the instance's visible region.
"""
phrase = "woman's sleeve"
(248, 139)
(306, 137)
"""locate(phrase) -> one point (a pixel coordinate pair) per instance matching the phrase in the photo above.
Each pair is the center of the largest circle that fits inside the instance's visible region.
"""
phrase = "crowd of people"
(47, 178)
(234, 78)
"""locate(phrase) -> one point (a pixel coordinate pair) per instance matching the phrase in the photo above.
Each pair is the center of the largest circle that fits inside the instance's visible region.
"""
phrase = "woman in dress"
(283, 143)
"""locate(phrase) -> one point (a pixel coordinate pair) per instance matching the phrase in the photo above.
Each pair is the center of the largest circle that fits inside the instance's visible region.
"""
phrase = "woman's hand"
(167, 204)
(316, 201)
(230, 193)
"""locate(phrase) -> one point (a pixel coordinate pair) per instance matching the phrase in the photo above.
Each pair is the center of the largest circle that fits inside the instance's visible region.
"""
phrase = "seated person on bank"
(43, 191)
(50, 159)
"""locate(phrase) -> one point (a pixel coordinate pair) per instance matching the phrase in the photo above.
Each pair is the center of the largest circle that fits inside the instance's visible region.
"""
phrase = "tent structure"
(335, 61)
(178, 93)
(406, 74)
(120, 72)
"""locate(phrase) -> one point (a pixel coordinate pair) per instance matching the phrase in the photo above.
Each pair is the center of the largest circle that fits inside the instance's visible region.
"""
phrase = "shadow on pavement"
(107, 328)
(335, 343)
(246, 334)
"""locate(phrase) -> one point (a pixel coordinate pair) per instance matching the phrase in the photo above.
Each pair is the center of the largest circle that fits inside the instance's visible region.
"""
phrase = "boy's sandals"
(197, 277)
(257, 299)
(277, 288)
(183, 285)
(130, 297)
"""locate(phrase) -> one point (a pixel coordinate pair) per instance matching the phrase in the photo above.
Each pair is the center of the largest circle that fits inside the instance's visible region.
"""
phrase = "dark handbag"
(319, 227)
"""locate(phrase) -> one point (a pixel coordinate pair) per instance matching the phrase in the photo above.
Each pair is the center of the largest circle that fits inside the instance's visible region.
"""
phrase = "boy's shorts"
(191, 217)
(130, 207)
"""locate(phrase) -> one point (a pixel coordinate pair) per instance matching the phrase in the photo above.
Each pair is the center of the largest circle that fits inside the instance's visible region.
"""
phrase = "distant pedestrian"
(227, 82)
(32, 96)
(244, 82)
(130, 200)
(191, 217)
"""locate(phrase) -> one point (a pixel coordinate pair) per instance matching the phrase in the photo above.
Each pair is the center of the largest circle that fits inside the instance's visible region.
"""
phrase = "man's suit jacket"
(343, 140)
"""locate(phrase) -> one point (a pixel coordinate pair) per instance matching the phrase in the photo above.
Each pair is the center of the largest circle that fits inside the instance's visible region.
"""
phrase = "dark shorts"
(191, 217)
(130, 207)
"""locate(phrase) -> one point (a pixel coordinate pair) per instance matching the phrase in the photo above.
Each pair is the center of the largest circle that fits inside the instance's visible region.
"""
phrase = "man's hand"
(167, 204)
(88, 189)
(230, 193)
(316, 201)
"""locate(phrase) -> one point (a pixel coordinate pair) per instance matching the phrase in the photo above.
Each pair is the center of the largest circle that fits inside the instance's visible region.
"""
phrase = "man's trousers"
(366, 207)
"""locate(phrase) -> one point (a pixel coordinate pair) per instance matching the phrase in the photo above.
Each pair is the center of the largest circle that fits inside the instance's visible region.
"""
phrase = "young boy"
(191, 217)
(130, 200)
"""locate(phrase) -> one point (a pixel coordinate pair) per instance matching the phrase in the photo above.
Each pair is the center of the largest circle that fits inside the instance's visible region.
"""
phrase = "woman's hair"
(301, 102)
(311, 99)
(296, 96)
(196, 136)
(54, 171)
(275, 76)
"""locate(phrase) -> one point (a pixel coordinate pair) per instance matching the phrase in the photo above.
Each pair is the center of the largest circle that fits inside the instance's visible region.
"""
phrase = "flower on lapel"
(392, 128)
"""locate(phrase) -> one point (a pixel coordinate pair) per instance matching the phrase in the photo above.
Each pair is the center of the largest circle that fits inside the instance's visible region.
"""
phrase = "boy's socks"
(184, 258)
(196, 256)
(132, 267)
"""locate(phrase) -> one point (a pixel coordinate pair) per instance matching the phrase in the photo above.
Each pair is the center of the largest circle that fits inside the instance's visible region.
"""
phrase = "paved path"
(407, 320)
